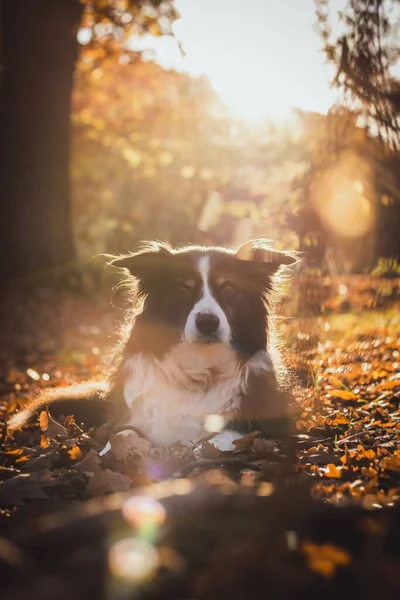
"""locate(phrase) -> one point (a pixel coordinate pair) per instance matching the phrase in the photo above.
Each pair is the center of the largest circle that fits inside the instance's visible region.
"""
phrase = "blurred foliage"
(146, 144)
(108, 25)
(364, 46)
(388, 267)
(152, 146)
(157, 155)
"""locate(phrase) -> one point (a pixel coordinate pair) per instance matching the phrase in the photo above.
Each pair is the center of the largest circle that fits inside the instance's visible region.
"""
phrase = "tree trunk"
(39, 51)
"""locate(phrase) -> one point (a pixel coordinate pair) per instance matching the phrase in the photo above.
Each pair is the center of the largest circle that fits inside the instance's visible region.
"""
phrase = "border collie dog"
(199, 346)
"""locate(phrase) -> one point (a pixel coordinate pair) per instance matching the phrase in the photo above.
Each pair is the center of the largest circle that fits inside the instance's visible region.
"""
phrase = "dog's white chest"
(169, 399)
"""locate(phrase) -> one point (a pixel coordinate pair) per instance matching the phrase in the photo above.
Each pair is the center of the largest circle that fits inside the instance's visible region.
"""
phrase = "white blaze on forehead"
(204, 270)
(208, 305)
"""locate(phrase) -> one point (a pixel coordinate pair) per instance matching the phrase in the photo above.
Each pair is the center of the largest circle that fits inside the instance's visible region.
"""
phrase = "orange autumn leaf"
(75, 452)
(332, 471)
(326, 558)
(342, 394)
(44, 421)
(340, 420)
(392, 463)
(16, 451)
(44, 442)
(363, 453)
(22, 459)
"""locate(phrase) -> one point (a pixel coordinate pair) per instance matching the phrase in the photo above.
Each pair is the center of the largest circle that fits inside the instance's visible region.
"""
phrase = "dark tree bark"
(39, 51)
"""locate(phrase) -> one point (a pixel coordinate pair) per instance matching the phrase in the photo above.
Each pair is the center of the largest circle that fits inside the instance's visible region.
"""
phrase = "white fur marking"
(206, 304)
(169, 399)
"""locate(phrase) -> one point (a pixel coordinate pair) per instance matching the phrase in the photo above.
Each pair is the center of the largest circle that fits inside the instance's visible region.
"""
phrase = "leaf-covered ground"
(350, 423)
(346, 445)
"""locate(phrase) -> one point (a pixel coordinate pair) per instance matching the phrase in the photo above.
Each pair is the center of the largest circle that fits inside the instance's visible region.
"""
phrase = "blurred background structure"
(192, 121)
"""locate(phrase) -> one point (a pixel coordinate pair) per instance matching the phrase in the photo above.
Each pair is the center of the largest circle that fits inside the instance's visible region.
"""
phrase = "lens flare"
(181, 487)
(340, 196)
(132, 560)
(358, 186)
(348, 215)
(265, 489)
(214, 423)
(175, 487)
(144, 513)
(84, 36)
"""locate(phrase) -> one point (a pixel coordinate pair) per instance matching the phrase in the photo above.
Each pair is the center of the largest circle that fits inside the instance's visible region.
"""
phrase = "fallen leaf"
(51, 427)
(75, 452)
(246, 441)
(44, 442)
(342, 394)
(208, 450)
(90, 463)
(392, 463)
(263, 447)
(128, 446)
(25, 486)
(45, 461)
(105, 481)
(332, 471)
(43, 421)
(340, 420)
(326, 558)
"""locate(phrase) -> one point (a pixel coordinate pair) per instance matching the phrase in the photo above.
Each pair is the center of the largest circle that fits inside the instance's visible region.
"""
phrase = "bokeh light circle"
(132, 560)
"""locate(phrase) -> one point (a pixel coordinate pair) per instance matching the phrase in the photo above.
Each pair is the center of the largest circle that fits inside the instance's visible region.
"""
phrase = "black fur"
(162, 274)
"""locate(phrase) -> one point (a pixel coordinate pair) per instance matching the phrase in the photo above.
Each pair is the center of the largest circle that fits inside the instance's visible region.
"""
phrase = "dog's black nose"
(206, 323)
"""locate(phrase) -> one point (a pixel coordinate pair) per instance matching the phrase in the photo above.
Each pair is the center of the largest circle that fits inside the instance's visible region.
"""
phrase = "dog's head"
(204, 296)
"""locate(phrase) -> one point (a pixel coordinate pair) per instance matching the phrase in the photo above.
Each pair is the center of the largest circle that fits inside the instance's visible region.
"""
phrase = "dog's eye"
(183, 292)
(228, 290)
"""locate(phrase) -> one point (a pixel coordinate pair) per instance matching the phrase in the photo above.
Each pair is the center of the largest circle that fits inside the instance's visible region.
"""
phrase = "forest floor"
(322, 506)
(346, 411)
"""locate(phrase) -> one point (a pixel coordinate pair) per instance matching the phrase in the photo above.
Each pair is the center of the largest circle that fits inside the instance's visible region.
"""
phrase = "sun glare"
(249, 97)
(261, 57)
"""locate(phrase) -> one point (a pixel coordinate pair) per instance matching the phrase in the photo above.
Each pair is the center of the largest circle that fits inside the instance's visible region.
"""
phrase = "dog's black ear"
(269, 259)
(150, 257)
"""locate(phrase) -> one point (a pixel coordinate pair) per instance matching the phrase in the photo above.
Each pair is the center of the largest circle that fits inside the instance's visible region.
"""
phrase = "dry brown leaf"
(105, 481)
(246, 441)
(25, 486)
(128, 446)
(263, 447)
(208, 450)
(53, 429)
(90, 463)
